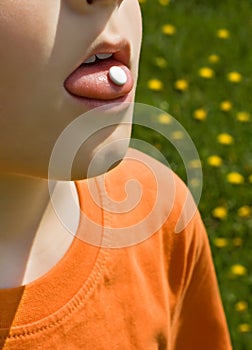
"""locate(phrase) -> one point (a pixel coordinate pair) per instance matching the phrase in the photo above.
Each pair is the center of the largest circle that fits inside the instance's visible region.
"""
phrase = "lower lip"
(119, 104)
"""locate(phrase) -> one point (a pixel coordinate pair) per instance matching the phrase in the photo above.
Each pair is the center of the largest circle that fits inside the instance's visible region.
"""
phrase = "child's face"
(41, 43)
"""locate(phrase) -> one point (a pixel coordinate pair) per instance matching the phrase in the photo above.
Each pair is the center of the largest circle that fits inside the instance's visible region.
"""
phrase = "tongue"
(92, 81)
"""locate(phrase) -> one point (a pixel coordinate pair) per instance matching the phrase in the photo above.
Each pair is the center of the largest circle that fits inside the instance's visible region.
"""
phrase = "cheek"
(27, 32)
(26, 40)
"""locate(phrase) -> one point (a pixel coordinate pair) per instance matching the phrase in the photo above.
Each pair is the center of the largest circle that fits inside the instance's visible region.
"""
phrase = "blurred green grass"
(193, 37)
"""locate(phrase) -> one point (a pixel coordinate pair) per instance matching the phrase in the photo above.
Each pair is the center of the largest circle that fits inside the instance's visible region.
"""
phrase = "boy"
(157, 290)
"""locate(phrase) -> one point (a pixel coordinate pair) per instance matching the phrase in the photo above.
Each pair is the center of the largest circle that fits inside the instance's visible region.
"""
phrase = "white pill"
(117, 75)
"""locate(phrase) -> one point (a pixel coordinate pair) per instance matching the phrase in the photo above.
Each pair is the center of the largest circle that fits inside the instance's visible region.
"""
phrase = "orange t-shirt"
(139, 274)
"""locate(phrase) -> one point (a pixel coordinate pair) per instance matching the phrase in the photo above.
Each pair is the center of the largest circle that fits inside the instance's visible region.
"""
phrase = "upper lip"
(120, 50)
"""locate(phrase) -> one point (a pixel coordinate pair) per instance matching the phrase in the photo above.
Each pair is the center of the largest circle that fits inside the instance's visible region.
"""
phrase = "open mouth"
(102, 76)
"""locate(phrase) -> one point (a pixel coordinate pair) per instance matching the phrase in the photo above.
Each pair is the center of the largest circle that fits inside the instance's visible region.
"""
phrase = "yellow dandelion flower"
(244, 211)
(226, 106)
(238, 270)
(200, 114)
(220, 213)
(243, 117)
(181, 85)
(235, 178)
(241, 306)
(141, 1)
(161, 62)
(237, 241)
(244, 328)
(250, 178)
(168, 29)
(213, 58)
(234, 77)
(225, 139)
(164, 119)
(223, 33)
(206, 72)
(164, 2)
(220, 242)
(194, 164)
(177, 135)
(214, 161)
(155, 84)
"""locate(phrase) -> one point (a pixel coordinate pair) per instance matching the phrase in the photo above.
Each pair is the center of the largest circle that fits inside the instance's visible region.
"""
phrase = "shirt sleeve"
(199, 321)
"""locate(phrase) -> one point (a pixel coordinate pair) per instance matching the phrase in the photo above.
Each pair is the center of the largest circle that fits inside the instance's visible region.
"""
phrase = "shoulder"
(155, 186)
(141, 197)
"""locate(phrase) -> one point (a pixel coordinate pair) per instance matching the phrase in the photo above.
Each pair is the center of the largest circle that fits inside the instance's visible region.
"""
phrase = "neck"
(27, 249)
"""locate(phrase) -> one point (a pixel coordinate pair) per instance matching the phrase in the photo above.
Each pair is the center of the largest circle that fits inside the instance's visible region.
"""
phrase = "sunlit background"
(196, 65)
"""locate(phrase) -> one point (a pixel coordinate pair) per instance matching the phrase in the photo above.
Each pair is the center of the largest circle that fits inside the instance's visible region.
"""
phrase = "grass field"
(196, 65)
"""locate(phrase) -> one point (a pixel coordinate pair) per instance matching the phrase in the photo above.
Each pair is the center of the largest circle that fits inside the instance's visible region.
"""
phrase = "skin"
(41, 43)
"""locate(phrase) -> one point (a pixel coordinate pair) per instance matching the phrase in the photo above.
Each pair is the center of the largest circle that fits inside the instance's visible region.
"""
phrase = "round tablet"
(117, 75)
